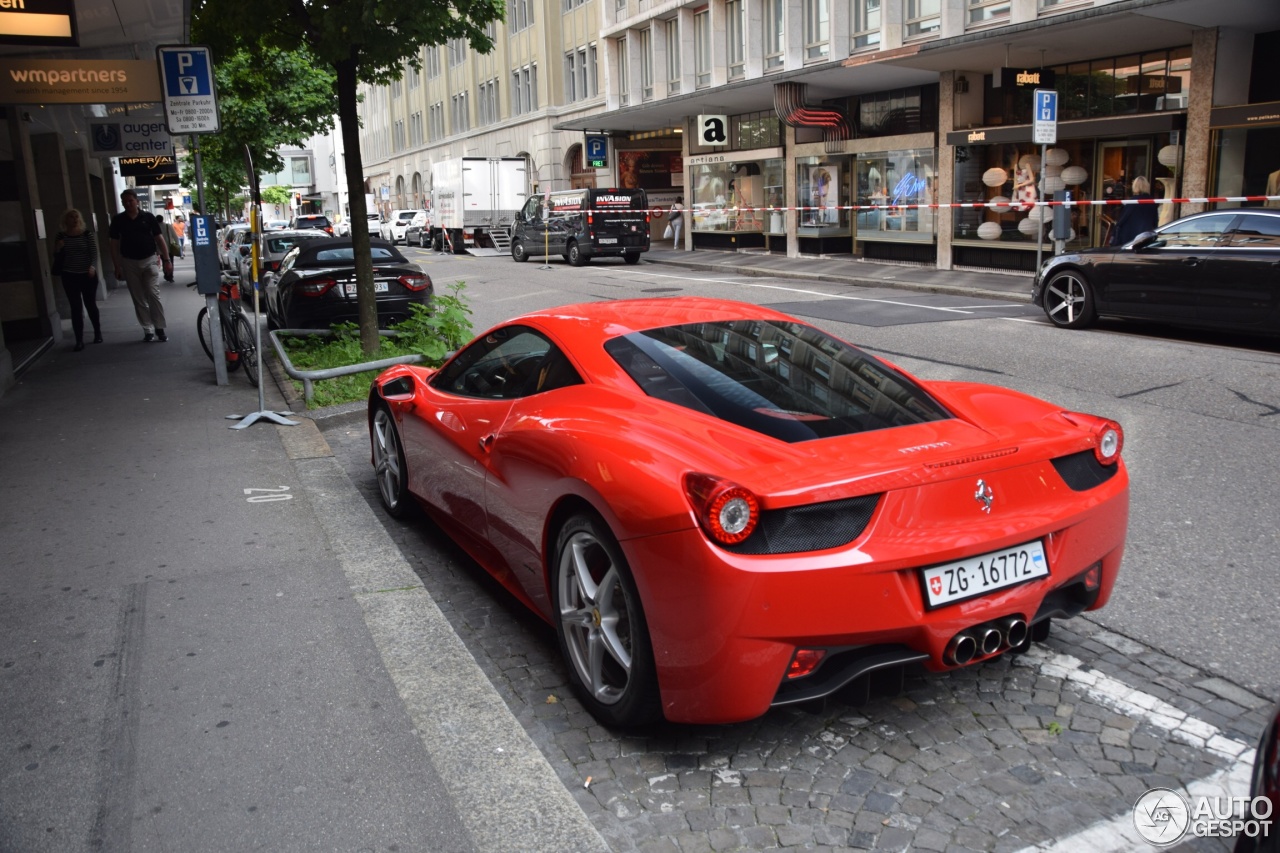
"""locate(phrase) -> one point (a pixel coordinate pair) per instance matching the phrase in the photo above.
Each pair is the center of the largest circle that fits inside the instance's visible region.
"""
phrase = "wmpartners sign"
(82, 81)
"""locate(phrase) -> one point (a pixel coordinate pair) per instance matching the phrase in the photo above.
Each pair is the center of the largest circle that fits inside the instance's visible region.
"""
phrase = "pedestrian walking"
(136, 238)
(79, 275)
(170, 240)
(676, 217)
(1136, 218)
(180, 231)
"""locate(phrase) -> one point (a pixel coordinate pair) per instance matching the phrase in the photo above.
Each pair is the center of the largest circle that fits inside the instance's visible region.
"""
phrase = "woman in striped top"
(80, 274)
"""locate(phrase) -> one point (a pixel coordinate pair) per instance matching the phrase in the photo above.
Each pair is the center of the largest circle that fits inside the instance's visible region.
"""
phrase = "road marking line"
(1119, 835)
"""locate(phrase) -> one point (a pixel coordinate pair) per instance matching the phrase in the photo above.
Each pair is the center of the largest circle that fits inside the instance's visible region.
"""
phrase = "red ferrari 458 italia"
(721, 508)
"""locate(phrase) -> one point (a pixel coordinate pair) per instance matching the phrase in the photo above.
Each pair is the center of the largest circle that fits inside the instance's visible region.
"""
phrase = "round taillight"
(1110, 442)
(726, 511)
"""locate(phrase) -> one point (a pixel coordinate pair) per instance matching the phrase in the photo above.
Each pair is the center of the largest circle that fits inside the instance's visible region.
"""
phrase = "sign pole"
(1044, 129)
(210, 299)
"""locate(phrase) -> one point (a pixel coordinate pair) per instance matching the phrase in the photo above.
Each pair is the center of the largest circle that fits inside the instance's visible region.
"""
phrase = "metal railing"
(309, 377)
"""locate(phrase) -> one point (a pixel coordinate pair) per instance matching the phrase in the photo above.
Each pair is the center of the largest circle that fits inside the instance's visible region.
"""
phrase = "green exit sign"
(597, 164)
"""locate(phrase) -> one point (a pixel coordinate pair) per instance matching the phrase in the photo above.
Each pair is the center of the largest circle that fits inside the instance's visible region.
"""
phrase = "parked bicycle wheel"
(206, 339)
(246, 346)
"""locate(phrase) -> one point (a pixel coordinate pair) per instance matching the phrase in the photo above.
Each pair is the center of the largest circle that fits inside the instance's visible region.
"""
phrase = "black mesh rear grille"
(1082, 471)
(814, 527)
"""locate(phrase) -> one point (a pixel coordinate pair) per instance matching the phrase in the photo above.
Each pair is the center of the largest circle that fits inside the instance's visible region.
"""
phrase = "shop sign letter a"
(714, 130)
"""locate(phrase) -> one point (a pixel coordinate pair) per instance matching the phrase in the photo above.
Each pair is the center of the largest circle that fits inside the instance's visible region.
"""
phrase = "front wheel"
(246, 347)
(205, 331)
(518, 254)
(1068, 301)
(631, 257)
(388, 464)
(575, 256)
(601, 626)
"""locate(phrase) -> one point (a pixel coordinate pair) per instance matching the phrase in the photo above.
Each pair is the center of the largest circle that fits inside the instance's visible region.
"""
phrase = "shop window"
(822, 195)
(736, 196)
(755, 130)
(888, 184)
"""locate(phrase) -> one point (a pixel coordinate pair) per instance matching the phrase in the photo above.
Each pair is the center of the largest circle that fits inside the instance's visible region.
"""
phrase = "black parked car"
(1266, 783)
(315, 221)
(315, 286)
(1219, 269)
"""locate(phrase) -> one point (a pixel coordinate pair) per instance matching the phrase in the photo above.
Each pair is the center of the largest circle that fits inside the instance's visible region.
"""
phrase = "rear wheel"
(1068, 301)
(601, 626)
(575, 256)
(422, 239)
(206, 333)
(246, 347)
(518, 253)
(631, 257)
(437, 241)
(388, 464)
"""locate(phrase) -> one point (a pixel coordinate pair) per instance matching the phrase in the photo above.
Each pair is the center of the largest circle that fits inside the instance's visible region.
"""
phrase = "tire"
(575, 256)
(1068, 301)
(518, 254)
(422, 239)
(247, 347)
(631, 257)
(206, 333)
(459, 242)
(389, 467)
(601, 627)
(437, 241)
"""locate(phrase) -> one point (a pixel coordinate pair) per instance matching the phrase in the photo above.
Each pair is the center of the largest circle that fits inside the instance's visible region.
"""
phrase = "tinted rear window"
(280, 245)
(786, 380)
(339, 254)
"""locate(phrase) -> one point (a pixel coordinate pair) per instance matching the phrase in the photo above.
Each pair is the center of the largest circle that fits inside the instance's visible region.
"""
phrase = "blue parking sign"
(186, 80)
(1044, 123)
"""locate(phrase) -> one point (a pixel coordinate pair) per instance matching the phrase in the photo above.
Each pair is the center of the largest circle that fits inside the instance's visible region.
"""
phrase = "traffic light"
(297, 199)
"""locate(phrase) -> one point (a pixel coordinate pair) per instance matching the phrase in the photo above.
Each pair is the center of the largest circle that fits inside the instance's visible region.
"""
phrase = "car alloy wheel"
(389, 465)
(1068, 301)
(601, 626)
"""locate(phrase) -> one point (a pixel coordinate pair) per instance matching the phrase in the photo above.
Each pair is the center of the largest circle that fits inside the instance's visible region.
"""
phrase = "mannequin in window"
(1024, 189)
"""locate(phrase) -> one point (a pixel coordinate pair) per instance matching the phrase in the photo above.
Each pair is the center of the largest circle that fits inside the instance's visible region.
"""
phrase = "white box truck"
(475, 200)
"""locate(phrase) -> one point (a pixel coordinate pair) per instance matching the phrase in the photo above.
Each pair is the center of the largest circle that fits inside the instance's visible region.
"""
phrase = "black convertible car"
(315, 286)
(1218, 270)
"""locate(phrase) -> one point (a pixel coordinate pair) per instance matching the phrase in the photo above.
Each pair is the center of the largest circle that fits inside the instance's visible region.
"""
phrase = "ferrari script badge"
(984, 495)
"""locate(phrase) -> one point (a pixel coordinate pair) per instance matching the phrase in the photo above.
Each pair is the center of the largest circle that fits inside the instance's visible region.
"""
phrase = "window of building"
(457, 52)
(524, 90)
(519, 15)
(894, 112)
(433, 62)
(580, 74)
(735, 37)
(755, 130)
(459, 113)
(924, 18)
(487, 105)
(734, 196)
(866, 24)
(988, 11)
(435, 121)
(817, 29)
(702, 48)
(300, 169)
(774, 33)
(397, 135)
(624, 72)
(673, 56)
(413, 77)
(570, 5)
(397, 88)
(646, 64)
(415, 130)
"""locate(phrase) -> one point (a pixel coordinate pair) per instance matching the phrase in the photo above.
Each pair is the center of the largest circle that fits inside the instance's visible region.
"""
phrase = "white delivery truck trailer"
(475, 200)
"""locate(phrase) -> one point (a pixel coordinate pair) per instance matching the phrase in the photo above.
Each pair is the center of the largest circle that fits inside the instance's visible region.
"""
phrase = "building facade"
(855, 127)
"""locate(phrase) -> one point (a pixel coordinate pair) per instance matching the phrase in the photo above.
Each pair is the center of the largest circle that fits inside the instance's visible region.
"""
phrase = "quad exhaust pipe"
(986, 639)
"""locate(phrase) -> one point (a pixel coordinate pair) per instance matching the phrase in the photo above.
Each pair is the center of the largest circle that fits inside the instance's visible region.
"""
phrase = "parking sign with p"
(186, 81)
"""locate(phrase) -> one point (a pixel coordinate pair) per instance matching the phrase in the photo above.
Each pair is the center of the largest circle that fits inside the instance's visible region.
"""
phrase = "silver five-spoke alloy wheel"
(388, 462)
(1068, 301)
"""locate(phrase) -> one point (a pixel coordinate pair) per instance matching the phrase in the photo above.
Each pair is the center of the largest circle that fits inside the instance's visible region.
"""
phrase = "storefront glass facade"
(889, 180)
(736, 196)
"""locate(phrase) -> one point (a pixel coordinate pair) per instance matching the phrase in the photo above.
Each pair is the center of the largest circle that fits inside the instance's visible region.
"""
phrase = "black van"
(583, 224)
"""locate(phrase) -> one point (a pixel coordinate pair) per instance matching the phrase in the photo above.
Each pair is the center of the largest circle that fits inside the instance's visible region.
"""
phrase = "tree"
(268, 97)
(359, 41)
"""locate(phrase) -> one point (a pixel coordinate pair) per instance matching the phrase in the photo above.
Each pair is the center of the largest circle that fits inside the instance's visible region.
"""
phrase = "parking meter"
(1061, 222)
(204, 241)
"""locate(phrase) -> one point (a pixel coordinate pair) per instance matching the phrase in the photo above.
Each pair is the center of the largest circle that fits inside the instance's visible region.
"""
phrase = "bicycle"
(237, 332)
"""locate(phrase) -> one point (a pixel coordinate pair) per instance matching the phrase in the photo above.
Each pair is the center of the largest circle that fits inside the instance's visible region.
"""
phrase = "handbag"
(59, 257)
(668, 233)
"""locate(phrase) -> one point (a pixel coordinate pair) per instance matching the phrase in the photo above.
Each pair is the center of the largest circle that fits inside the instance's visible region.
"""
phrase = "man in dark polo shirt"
(135, 239)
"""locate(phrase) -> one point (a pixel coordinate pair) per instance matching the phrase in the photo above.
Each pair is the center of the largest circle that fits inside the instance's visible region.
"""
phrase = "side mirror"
(1143, 240)
(244, 251)
(397, 390)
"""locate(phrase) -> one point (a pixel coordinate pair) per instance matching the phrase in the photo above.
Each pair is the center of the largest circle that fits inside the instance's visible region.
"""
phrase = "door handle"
(1190, 262)
(486, 443)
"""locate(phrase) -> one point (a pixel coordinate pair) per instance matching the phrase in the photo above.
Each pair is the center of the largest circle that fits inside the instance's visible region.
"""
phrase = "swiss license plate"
(984, 573)
(378, 287)
(604, 240)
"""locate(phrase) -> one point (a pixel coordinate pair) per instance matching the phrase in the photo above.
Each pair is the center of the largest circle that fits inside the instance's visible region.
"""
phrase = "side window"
(1203, 232)
(531, 206)
(288, 261)
(1257, 232)
(506, 364)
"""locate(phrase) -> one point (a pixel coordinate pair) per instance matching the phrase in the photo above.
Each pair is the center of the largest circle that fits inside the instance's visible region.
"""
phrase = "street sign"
(1044, 123)
(597, 152)
(186, 83)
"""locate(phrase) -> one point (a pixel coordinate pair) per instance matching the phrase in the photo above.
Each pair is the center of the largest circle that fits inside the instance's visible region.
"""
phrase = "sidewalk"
(209, 643)
(985, 283)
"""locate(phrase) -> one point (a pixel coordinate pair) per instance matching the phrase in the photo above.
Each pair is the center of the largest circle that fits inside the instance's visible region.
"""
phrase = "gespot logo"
(1163, 817)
